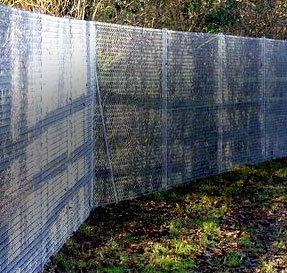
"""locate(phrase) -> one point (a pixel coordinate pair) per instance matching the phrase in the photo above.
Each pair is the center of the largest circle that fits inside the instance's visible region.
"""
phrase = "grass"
(233, 259)
(235, 222)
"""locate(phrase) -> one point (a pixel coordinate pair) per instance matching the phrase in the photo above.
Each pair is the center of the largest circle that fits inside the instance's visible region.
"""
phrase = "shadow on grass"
(234, 222)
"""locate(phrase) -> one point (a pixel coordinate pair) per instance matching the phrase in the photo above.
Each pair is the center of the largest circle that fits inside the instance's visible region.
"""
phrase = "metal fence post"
(37, 39)
(264, 97)
(164, 109)
(220, 102)
(101, 108)
(91, 62)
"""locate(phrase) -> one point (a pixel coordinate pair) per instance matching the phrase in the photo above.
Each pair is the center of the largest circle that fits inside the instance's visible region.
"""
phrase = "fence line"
(94, 113)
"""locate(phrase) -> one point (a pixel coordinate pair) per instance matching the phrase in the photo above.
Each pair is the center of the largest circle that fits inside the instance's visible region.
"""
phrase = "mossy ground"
(236, 222)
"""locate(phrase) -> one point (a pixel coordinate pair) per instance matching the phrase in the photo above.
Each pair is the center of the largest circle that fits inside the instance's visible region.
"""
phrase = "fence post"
(91, 66)
(220, 101)
(164, 109)
(100, 104)
(264, 97)
(37, 45)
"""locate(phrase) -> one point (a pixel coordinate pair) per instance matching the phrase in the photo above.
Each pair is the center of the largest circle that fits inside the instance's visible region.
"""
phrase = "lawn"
(236, 222)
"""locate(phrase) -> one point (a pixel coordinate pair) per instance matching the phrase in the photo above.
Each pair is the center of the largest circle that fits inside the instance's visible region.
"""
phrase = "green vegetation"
(238, 17)
(233, 259)
(229, 223)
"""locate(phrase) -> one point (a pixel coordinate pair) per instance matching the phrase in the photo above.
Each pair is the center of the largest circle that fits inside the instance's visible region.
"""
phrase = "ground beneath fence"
(236, 222)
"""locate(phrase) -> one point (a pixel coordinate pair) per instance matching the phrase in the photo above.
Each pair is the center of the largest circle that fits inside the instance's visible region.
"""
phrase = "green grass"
(245, 241)
(175, 228)
(233, 259)
(266, 267)
(222, 224)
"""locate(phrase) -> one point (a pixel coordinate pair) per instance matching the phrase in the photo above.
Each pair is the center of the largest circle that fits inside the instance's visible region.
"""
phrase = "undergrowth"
(238, 17)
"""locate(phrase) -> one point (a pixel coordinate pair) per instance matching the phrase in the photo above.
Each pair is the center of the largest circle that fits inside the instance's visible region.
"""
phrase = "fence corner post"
(164, 109)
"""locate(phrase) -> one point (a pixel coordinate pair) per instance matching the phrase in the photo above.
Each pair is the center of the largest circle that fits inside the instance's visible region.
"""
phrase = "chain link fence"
(94, 113)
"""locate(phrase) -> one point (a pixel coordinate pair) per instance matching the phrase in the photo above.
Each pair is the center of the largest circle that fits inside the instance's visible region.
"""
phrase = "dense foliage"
(239, 17)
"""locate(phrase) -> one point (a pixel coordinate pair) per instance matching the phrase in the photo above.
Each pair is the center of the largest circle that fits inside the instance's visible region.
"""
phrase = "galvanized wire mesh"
(193, 99)
(94, 113)
(242, 111)
(276, 99)
(47, 69)
(130, 62)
